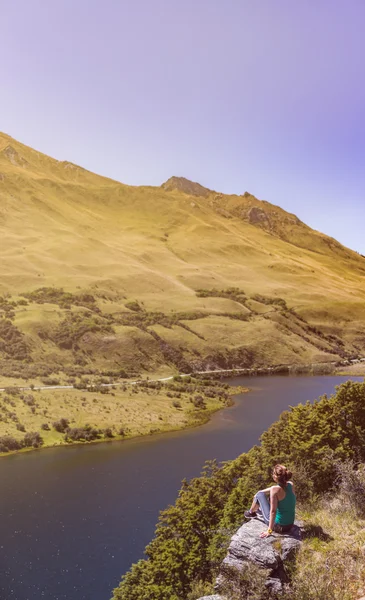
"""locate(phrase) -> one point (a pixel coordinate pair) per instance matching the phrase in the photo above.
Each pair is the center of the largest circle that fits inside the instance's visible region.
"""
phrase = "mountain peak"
(185, 185)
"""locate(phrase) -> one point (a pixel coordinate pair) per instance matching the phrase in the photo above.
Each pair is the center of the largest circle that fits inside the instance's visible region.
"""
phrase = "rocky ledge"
(272, 555)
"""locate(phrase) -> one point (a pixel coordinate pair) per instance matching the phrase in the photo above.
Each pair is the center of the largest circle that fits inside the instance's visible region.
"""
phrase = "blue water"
(74, 519)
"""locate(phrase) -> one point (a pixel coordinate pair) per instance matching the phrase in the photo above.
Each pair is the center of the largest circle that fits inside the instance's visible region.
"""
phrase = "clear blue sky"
(265, 96)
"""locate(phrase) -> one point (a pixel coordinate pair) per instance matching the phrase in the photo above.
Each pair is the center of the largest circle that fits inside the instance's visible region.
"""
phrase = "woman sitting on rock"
(279, 512)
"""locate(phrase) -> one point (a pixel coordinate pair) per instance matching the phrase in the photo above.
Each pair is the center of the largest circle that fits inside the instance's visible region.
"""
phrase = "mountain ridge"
(245, 206)
(228, 272)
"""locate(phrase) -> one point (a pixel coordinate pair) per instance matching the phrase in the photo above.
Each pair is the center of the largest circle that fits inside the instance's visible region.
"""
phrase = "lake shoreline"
(201, 419)
(342, 368)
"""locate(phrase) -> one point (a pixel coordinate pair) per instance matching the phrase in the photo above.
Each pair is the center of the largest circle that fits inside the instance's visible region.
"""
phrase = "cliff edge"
(271, 555)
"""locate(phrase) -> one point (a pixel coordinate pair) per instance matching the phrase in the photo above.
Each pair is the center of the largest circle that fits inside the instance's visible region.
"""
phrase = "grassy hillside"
(160, 279)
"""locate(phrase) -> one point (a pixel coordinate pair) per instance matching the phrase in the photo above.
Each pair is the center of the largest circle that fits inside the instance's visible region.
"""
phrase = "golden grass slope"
(63, 226)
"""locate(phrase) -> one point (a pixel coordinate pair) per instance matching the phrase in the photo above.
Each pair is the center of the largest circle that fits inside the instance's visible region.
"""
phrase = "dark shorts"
(282, 528)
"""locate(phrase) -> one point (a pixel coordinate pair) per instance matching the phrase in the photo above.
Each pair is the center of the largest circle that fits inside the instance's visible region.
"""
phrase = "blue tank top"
(285, 512)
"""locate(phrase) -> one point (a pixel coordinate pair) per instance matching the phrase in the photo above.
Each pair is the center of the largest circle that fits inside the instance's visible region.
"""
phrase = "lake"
(74, 519)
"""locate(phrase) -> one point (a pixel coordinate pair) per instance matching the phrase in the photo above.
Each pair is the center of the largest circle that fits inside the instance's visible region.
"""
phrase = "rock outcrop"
(257, 215)
(14, 157)
(271, 555)
(185, 185)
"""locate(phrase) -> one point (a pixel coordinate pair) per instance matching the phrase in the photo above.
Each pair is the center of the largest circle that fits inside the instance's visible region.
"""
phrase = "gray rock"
(246, 545)
(274, 584)
(215, 597)
(271, 553)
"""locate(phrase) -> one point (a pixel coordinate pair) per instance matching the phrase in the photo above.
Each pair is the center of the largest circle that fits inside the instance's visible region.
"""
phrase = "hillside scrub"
(81, 337)
(192, 536)
(31, 439)
(12, 342)
(94, 412)
(53, 295)
(269, 300)
(232, 293)
(76, 325)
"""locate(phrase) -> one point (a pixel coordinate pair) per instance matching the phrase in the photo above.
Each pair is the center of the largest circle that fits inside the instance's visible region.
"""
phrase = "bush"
(50, 381)
(12, 391)
(12, 341)
(231, 293)
(45, 427)
(199, 402)
(52, 295)
(33, 438)
(270, 300)
(82, 434)
(108, 432)
(70, 331)
(29, 400)
(9, 444)
(61, 425)
(200, 589)
(351, 483)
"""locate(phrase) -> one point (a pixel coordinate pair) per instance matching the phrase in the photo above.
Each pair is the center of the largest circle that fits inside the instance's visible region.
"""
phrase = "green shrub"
(108, 433)
(70, 331)
(33, 438)
(51, 295)
(61, 425)
(9, 444)
(270, 300)
(231, 293)
(82, 434)
(351, 487)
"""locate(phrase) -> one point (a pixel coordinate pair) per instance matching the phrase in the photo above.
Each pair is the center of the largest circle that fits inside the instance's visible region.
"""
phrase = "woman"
(279, 513)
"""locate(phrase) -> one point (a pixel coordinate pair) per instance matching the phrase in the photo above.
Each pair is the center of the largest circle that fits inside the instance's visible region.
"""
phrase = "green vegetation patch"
(232, 293)
(192, 536)
(12, 341)
(53, 295)
(75, 325)
(270, 300)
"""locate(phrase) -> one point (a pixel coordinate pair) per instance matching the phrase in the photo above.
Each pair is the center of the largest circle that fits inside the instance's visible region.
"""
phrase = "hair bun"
(288, 474)
(282, 474)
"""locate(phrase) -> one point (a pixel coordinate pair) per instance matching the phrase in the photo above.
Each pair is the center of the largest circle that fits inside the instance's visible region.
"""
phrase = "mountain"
(184, 185)
(154, 279)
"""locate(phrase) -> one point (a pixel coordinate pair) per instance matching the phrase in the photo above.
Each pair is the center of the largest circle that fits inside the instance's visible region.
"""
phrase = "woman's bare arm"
(267, 490)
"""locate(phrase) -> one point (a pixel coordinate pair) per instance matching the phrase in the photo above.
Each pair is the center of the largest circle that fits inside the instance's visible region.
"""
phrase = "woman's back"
(285, 512)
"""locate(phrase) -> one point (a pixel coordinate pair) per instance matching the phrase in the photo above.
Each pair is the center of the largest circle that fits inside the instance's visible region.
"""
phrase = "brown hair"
(282, 473)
